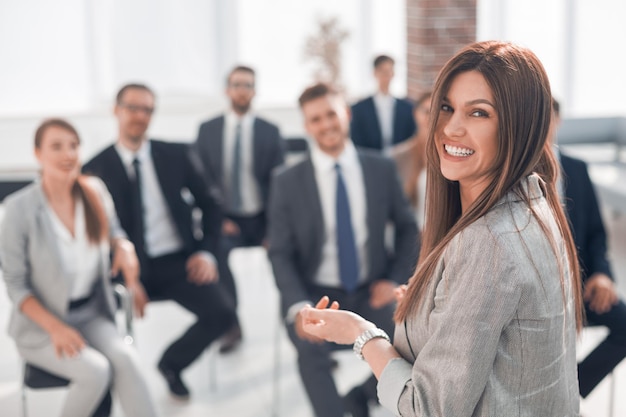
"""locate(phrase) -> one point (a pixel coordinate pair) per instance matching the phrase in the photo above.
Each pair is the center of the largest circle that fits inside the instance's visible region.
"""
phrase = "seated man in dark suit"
(602, 304)
(145, 178)
(327, 220)
(381, 121)
(240, 150)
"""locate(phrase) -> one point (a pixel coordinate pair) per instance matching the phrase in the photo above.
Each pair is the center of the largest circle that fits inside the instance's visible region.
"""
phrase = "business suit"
(365, 127)
(267, 154)
(591, 241)
(296, 238)
(491, 335)
(32, 266)
(165, 277)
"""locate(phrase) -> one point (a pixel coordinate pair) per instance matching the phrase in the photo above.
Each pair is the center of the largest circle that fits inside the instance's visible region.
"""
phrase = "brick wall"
(436, 29)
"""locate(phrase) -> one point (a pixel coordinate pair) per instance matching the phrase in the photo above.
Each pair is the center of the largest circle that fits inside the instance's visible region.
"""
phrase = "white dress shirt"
(250, 193)
(80, 259)
(385, 104)
(160, 234)
(326, 180)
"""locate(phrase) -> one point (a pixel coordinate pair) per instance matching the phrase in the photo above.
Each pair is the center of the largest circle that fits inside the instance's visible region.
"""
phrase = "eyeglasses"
(133, 108)
(243, 86)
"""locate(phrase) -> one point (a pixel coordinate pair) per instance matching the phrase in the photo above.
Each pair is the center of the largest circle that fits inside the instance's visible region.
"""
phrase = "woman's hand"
(125, 261)
(298, 324)
(140, 298)
(66, 340)
(332, 324)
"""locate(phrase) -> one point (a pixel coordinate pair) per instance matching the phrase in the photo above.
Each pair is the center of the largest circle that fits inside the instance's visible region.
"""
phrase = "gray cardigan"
(31, 262)
(493, 336)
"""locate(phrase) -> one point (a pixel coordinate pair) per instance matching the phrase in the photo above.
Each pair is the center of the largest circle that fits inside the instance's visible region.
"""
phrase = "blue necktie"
(235, 178)
(348, 260)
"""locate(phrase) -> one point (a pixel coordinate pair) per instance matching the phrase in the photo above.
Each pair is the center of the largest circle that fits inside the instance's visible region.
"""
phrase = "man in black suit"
(602, 304)
(148, 180)
(240, 150)
(381, 121)
(327, 219)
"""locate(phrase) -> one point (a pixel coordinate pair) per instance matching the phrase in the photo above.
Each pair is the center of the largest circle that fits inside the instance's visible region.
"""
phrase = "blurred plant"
(324, 48)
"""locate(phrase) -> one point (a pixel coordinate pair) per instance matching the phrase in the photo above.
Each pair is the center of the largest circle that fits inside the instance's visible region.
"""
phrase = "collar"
(233, 118)
(41, 195)
(384, 97)
(324, 162)
(127, 156)
(532, 186)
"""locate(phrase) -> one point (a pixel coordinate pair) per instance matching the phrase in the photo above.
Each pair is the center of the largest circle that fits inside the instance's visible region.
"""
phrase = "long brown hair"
(95, 217)
(522, 97)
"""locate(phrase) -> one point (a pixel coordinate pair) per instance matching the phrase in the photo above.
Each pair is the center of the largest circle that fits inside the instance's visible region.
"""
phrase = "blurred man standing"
(381, 121)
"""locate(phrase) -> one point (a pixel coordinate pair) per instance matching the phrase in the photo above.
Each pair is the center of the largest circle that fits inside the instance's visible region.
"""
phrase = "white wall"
(580, 43)
(68, 57)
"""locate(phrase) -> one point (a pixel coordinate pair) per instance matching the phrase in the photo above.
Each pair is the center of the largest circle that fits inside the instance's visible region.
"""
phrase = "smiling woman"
(54, 245)
(493, 307)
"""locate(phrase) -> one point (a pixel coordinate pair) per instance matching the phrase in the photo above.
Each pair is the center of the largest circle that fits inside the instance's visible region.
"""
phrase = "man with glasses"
(239, 151)
(145, 178)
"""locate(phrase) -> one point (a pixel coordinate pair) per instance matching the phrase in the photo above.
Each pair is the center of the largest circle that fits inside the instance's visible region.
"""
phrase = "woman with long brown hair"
(487, 325)
(55, 241)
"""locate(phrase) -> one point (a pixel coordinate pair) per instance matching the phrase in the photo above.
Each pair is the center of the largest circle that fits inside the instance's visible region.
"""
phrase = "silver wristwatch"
(365, 337)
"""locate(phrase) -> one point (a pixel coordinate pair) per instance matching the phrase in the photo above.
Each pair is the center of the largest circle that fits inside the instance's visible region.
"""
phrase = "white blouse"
(79, 256)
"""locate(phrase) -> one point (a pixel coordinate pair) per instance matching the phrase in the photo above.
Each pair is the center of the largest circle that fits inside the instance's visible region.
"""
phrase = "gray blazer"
(296, 227)
(493, 336)
(31, 262)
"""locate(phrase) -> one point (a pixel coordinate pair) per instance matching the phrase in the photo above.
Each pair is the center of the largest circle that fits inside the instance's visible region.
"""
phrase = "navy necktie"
(235, 177)
(346, 246)
(137, 203)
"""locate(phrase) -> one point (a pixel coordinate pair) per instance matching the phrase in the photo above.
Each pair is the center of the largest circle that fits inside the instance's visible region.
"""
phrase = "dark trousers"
(252, 233)
(608, 354)
(314, 360)
(165, 278)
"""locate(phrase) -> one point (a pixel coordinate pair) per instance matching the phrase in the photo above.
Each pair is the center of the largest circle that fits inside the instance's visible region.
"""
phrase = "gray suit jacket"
(31, 262)
(296, 227)
(495, 335)
(268, 152)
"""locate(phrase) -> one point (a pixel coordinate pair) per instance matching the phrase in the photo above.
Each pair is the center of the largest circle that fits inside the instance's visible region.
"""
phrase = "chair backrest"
(592, 130)
(295, 149)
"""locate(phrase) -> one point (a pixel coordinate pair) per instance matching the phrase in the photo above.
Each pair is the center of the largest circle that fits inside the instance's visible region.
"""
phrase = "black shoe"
(174, 382)
(355, 403)
(231, 339)
(104, 408)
